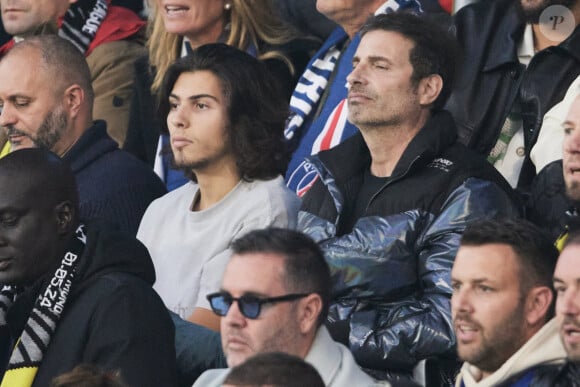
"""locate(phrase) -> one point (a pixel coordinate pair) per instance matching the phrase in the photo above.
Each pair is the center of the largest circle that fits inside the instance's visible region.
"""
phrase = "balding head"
(38, 213)
(46, 94)
(60, 60)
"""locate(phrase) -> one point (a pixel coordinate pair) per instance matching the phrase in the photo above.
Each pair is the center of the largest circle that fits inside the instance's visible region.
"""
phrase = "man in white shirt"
(225, 118)
(274, 297)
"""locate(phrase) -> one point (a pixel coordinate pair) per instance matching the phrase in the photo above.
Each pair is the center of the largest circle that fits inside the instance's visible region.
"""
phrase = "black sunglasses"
(250, 306)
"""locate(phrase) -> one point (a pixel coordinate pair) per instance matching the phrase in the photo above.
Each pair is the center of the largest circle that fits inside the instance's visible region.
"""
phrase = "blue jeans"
(197, 349)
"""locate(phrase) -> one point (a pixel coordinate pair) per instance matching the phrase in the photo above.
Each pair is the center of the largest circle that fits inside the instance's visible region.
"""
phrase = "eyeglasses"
(250, 306)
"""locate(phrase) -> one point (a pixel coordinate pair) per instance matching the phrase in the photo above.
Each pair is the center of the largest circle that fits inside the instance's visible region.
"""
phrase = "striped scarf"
(43, 320)
(81, 22)
(330, 127)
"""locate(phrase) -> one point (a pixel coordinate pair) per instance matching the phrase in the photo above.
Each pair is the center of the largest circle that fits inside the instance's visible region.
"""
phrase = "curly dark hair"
(256, 107)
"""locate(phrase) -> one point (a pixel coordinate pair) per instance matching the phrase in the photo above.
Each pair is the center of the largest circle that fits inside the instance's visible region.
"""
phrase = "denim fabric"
(197, 349)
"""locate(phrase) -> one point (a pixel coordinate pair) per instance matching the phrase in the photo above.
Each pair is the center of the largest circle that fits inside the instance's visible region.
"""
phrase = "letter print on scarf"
(330, 127)
(81, 22)
(43, 320)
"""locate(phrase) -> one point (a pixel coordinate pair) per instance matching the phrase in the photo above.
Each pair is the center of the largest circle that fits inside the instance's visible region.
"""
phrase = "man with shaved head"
(71, 292)
(46, 101)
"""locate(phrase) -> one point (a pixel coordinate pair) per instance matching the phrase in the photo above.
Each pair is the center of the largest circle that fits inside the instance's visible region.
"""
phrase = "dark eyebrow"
(374, 59)
(377, 58)
(253, 294)
(476, 281)
(567, 123)
(560, 281)
(13, 98)
(195, 97)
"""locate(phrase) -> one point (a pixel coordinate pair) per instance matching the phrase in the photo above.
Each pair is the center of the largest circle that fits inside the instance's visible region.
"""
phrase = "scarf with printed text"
(34, 340)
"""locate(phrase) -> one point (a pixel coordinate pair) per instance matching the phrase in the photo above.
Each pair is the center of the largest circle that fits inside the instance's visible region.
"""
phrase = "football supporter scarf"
(43, 320)
(318, 124)
(81, 22)
(89, 23)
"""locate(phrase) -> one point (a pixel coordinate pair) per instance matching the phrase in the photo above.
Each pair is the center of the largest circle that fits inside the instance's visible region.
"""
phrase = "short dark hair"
(535, 251)
(572, 239)
(305, 268)
(434, 51)
(274, 369)
(46, 173)
(64, 62)
(256, 108)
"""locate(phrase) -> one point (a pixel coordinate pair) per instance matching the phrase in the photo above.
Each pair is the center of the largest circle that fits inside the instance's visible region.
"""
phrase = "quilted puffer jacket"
(391, 273)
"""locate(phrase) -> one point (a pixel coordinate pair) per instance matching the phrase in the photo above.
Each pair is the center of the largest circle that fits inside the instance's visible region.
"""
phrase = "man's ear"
(310, 308)
(74, 98)
(65, 215)
(538, 303)
(429, 89)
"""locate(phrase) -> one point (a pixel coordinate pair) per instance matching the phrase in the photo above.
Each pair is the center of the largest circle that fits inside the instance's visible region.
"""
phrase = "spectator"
(47, 101)
(226, 121)
(512, 74)
(502, 304)
(280, 284)
(108, 33)
(548, 147)
(318, 103)
(176, 30)
(555, 195)
(303, 15)
(71, 292)
(274, 369)
(566, 282)
(389, 204)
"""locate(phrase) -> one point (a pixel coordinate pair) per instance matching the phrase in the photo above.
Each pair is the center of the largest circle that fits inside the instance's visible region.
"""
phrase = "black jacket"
(561, 375)
(548, 206)
(490, 77)
(113, 185)
(113, 318)
(391, 273)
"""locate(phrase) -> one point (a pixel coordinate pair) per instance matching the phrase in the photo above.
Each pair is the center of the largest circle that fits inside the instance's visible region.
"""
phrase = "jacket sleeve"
(112, 75)
(396, 335)
(131, 332)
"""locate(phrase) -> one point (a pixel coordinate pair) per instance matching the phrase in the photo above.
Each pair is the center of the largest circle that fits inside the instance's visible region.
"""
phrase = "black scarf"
(81, 22)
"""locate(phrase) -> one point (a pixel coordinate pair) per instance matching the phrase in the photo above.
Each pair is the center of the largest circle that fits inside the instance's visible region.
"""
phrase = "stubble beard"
(48, 133)
(182, 162)
(501, 342)
(573, 192)
(573, 351)
(52, 129)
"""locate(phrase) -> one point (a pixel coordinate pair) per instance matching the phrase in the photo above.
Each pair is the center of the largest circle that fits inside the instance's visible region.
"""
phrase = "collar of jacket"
(352, 157)
(502, 18)
(92, 144)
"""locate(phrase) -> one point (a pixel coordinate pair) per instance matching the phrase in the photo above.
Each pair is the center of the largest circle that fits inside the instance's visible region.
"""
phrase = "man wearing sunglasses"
(274, 298)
